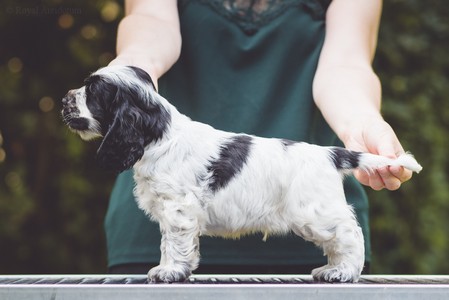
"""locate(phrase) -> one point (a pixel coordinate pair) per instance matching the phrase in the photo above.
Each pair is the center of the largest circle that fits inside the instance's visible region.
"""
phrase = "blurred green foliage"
(411, 226)
(53, 196)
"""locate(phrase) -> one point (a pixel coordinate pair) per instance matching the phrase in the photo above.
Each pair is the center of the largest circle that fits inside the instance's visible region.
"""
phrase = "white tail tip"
(409, 162)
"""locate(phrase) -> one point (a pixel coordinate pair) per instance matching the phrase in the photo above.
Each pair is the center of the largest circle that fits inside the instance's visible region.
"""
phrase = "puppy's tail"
(346, 160)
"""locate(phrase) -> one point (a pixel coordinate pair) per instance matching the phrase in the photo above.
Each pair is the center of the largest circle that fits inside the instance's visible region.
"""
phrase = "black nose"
(69, 108)
(69, 97)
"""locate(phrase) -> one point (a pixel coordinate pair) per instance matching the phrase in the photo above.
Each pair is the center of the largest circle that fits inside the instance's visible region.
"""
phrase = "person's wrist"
(140, 63)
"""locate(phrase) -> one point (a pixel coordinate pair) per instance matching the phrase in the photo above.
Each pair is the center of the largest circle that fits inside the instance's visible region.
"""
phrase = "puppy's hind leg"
(345, 252)
(179, 245)
(331, 224)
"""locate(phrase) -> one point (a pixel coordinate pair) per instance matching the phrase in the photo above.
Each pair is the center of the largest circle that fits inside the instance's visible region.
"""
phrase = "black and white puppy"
(195, 180)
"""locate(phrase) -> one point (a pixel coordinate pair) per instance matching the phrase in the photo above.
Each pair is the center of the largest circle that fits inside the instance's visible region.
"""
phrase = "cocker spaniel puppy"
(195, 180)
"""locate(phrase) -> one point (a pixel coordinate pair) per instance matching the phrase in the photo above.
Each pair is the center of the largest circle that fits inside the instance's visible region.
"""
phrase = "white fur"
(279, 189)
(276, 192)
(371, 162)
(94, 126)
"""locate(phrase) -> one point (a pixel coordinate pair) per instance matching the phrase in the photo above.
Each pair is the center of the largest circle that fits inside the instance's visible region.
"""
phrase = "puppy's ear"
(137, 117)
(123, 145)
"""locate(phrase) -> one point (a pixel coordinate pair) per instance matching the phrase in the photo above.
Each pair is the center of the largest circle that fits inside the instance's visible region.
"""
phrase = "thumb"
(385, 142)
(387, 149)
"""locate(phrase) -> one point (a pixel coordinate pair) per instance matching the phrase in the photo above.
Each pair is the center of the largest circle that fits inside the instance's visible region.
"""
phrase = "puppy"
(195, 180)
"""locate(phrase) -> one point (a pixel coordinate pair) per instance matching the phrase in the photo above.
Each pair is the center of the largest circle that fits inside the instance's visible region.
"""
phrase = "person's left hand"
(376, 136)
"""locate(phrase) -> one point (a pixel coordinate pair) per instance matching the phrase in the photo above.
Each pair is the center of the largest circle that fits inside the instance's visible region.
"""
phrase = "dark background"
(53, 197)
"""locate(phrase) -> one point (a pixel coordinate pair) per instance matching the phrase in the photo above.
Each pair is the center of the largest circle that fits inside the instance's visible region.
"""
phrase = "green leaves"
(410, 226)
(53, 197)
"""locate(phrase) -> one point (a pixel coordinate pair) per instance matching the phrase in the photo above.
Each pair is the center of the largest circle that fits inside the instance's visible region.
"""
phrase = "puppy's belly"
(236, 221)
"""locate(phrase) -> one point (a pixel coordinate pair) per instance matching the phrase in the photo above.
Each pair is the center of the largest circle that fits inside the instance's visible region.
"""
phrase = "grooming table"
(218, 287)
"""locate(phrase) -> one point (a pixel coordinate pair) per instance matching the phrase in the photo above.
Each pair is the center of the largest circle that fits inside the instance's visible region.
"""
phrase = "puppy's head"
(120, 105)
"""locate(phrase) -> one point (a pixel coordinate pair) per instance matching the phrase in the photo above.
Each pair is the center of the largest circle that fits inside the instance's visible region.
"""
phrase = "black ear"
(123, 145)
(134, 118)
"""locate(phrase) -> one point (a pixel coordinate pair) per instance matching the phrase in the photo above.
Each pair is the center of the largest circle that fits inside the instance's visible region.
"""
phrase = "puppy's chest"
(165, 179)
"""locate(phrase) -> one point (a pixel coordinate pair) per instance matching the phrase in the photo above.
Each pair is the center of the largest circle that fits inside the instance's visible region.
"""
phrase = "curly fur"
(195, 180)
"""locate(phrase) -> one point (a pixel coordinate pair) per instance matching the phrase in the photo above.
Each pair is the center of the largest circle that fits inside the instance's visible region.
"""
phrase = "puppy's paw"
(168, 274)
(339, 273)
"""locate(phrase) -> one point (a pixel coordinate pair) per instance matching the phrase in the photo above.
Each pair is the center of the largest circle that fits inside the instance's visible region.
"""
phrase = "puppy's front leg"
(180, 243)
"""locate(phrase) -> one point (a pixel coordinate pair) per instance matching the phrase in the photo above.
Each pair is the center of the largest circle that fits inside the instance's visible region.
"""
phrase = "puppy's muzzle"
(71, 113)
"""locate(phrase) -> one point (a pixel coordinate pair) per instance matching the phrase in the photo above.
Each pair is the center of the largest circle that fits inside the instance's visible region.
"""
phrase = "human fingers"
(390, 178)
(371, 179)
(393, 177)
(401, 173)
(390, 181)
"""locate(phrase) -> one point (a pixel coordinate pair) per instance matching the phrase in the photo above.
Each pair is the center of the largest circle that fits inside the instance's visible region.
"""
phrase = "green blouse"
(243, 70)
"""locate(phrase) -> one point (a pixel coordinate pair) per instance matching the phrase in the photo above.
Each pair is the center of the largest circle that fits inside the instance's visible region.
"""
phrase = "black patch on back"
(344, 159)
(233, 155)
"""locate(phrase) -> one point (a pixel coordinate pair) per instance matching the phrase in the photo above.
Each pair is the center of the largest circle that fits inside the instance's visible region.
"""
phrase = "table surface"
(217, 287)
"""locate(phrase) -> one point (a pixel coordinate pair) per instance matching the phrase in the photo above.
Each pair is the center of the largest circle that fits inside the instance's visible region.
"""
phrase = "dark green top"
(241, 71)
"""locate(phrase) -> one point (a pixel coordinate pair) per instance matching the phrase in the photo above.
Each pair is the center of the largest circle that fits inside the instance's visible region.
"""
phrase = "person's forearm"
(347, 95)
(149, 36)
(345, 88)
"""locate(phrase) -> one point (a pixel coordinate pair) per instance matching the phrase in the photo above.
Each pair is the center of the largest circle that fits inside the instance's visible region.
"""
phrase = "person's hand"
(376, 136)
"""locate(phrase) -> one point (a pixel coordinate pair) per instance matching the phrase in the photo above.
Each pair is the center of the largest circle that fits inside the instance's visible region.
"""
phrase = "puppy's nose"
(70, 95)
